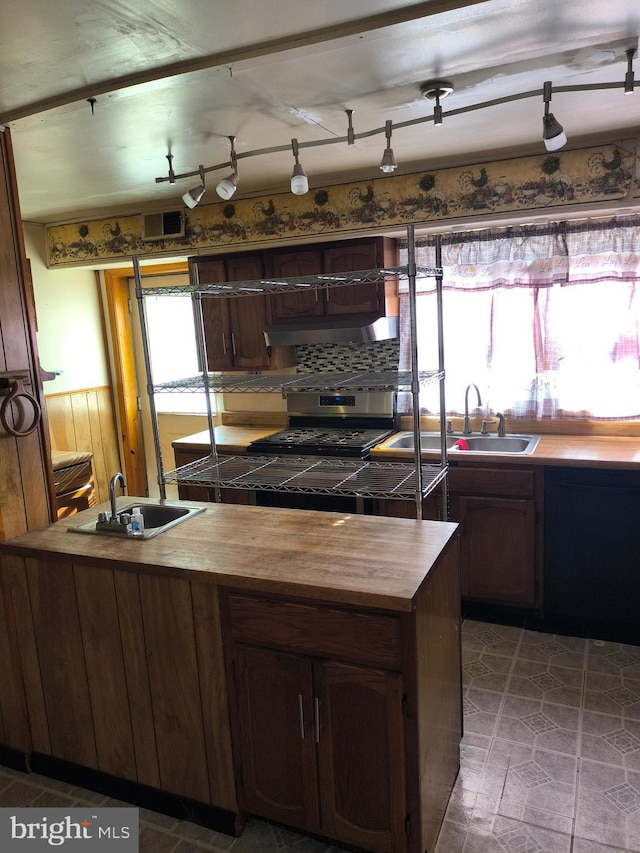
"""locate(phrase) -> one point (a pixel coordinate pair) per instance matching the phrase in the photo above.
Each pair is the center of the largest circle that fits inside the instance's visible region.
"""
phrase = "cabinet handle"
(301, 709)
(224, 343)
(316, 709)
(233, 343)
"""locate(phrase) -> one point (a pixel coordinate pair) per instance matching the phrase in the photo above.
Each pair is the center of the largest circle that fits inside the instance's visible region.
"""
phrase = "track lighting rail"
(626, 86)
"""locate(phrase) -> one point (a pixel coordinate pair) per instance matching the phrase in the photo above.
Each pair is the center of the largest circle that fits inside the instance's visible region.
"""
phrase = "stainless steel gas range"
(328, 424)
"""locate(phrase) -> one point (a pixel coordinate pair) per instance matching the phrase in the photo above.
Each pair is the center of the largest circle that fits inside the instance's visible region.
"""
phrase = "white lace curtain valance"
(535, 256)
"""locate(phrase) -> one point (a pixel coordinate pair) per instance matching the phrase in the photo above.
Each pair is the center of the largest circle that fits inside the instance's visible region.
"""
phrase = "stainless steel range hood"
(335, 331)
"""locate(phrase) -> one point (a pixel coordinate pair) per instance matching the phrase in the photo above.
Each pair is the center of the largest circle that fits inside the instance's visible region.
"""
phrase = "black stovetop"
(323, 440)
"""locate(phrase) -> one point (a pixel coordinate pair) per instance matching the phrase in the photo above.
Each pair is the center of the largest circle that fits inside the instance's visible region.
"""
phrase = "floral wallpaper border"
(583, 176)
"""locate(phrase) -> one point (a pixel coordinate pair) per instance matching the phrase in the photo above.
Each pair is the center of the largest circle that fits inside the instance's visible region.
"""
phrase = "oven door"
(326, 503)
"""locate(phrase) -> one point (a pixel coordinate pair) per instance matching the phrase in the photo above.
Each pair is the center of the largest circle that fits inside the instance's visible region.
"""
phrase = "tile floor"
(550, 760)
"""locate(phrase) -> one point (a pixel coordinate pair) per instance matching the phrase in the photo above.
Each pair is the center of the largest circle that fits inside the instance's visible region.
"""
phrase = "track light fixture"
(299, 181)
(388, 163)
(192, 197)
(351, 137)
(172, 174)
(227, 186)
(552, 132)
(436, 90)
(628, 77)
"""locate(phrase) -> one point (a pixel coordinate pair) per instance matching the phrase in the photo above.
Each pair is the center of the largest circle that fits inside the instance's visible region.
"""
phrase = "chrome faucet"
(466, 429)
(112, 492)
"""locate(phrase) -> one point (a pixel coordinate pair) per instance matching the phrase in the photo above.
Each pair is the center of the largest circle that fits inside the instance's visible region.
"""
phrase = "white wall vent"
(159, 226)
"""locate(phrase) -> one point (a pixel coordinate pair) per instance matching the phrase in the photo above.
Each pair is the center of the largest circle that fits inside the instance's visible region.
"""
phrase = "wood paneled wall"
(26, 484)
(85, 420)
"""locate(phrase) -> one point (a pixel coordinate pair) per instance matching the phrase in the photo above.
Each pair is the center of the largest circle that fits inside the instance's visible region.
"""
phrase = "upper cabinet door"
(248, 315)
(354, 298)
(305, 302)
(215, 317)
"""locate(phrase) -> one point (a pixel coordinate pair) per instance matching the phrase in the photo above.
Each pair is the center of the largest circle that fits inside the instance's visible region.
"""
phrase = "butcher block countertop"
(593, 451)
(229, 439)
(344, 559)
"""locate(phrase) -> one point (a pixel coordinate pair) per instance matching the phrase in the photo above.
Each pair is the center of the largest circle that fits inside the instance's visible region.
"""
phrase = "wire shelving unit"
(309, 475)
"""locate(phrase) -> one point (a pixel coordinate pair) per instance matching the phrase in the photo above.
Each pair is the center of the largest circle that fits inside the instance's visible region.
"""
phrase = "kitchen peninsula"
(249, 661)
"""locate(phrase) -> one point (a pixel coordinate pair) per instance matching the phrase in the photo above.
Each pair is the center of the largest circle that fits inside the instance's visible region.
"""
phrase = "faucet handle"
(485, 426)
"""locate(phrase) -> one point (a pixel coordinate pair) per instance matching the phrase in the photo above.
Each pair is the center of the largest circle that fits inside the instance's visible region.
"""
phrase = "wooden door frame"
(124, 369)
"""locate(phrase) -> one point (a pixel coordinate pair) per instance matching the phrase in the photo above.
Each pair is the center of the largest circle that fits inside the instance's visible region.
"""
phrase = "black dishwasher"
(592, 549)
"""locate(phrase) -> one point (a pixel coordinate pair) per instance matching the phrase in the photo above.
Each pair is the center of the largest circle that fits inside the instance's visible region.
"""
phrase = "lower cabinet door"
(361, 756)
(321, 746)
(497, 553)
(276, 736)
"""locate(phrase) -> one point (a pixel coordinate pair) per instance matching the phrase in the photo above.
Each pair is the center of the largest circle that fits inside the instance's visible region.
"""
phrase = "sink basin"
(157, 519)
(521, 444)
(428, 441)
(503, 444)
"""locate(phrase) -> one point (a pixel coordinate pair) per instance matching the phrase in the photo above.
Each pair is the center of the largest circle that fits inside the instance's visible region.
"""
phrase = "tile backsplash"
(378, 356)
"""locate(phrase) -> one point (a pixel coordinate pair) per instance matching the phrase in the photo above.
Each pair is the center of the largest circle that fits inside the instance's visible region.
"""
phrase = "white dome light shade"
(227, 186)
(299, 181)
(388, 163)
(192, 197)
(552, 133)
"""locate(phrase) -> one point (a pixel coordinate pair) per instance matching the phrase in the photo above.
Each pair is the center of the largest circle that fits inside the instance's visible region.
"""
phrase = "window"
(544, 320)
(173, 351)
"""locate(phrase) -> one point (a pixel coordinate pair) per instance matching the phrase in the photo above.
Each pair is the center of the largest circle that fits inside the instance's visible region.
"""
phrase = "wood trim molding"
(125, 384)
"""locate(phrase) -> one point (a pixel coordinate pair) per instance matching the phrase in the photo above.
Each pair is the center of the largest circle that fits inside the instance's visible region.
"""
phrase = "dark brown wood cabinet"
(125, 675)
(276, 742)
(499, 511)
(355, 298)
(324, 721)
(499, 532)
(339, 714)
(360, 754)
(497, 550)
(321, 746)
(233, 326)
(304, 303)
(373, 299)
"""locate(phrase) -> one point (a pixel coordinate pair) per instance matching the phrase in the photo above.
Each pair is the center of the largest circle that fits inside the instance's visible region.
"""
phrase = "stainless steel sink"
(157, 519)
(520, 444)
(503, 444)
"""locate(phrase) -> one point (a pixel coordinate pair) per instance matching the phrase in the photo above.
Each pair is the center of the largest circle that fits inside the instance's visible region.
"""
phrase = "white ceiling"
(184, 75)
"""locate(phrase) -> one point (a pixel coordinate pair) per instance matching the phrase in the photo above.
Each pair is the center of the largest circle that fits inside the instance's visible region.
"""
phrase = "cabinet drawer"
(72, 477)
(492, 481)
(321, 631)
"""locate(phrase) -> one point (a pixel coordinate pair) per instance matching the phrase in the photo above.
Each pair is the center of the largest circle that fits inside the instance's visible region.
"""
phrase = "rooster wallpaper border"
(584, 176)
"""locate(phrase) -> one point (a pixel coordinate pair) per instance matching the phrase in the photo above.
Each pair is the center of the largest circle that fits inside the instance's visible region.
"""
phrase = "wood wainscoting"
(85, 420)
